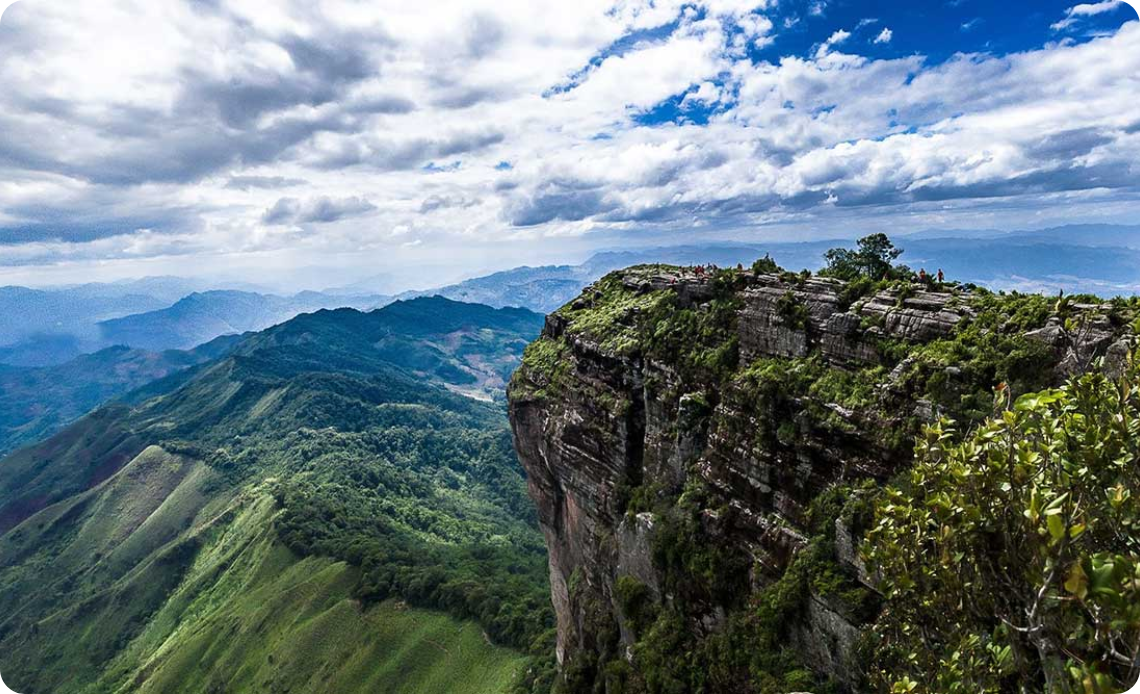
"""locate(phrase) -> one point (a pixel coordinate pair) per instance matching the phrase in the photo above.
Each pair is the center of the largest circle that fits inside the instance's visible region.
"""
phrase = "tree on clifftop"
(874, 258)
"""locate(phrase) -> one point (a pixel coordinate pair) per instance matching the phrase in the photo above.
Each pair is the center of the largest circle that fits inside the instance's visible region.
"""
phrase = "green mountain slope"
(260, 522)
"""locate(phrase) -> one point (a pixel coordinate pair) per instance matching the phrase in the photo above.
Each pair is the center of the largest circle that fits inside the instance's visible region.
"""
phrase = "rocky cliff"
(696, 446)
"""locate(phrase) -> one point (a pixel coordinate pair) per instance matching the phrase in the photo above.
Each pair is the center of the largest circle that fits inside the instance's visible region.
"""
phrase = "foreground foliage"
(1010, 557)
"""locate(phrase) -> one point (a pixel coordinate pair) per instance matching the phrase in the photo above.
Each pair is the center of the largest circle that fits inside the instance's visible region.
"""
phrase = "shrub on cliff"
(1010, 558)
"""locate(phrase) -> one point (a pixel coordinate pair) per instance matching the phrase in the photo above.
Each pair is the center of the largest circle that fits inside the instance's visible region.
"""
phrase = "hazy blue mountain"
(203, 316)
(165, 288)
(1094, 258)
(1096, 235)
(37, 402)
(44, 349)
(27, 314)
(542, 288)
(1084, 235)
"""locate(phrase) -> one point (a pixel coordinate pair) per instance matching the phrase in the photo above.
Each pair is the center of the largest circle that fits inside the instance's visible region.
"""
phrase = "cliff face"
(752, 394)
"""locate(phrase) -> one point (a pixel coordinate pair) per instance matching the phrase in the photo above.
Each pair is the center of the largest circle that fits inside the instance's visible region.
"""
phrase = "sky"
(301, 146)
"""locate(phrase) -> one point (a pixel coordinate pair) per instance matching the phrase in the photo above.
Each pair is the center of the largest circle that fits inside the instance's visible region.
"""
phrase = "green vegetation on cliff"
(746, 577)
(1009, 557)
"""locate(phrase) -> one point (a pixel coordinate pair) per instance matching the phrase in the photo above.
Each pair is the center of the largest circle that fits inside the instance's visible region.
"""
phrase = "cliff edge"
(697, 444)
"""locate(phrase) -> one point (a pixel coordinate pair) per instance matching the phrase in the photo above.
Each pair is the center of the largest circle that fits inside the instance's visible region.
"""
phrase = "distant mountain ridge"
(469, 349)
(1090, 258)
(37, 402)
(49, 327)
(1096, 235)
(202, 316)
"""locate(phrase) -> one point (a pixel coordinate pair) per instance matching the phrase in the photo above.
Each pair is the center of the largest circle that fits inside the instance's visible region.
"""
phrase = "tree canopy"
(873, 258)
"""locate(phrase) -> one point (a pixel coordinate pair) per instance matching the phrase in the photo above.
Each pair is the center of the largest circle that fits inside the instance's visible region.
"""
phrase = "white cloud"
(389, 132)
(1076, 12)
(884, 36)
(322, 210)
(835, 39)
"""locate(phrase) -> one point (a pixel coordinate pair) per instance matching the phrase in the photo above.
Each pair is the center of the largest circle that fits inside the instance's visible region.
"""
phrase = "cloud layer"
(163, 129)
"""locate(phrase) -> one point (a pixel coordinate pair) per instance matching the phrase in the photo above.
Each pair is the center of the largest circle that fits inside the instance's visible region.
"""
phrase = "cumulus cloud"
(832, 41)
(162, 128)
(320, 210)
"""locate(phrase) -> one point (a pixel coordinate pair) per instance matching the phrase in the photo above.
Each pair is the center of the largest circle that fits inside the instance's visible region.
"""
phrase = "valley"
(297, 513)
(335, 504)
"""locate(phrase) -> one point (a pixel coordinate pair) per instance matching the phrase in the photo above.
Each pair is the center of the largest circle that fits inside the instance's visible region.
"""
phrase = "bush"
(792, 311)
(766, 266)
(1015, 549)
(636, 602)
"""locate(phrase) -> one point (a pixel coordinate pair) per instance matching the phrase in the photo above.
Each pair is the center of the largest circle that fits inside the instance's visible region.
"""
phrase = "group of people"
(927, 279)
(703, 270)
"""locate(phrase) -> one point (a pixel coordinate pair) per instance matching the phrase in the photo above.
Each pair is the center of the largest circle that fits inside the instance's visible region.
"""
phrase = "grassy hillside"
(259, 523)
(289, 624)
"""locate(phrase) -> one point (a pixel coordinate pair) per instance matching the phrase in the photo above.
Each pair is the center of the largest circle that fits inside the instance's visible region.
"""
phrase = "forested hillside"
(279, 519)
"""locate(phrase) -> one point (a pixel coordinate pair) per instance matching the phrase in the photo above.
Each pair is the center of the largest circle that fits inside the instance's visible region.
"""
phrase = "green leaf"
(1056, 527)
(1077, 582)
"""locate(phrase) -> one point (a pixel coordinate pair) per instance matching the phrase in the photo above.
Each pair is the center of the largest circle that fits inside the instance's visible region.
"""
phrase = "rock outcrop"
(597, 422)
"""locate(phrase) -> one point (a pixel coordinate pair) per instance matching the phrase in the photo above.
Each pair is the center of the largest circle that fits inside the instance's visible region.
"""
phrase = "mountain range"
(1103, 259)
(202, 316)
(46, 327)
(334, 503)
(36, 402)
(312, 510)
